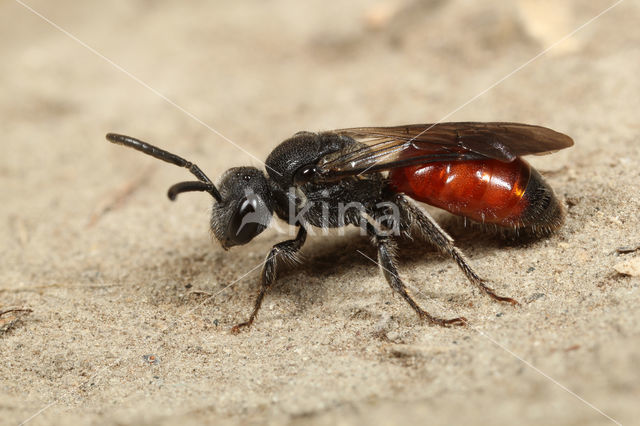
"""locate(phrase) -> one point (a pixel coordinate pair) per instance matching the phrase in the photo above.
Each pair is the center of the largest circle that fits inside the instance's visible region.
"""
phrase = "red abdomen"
(488, 191)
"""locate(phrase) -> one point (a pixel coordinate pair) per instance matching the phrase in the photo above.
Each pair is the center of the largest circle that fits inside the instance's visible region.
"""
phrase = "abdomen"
(512, 195)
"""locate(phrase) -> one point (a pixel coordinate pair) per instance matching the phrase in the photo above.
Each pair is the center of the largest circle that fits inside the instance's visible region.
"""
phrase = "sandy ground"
(108, 266)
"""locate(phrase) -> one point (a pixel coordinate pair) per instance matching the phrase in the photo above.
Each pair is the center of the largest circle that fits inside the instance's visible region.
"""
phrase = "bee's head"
(244, 210)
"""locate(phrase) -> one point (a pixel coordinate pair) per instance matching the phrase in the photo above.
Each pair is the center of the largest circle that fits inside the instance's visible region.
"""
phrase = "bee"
(371, 177)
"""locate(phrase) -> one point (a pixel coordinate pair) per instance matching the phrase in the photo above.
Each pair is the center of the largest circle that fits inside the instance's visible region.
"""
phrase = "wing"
(391, 147)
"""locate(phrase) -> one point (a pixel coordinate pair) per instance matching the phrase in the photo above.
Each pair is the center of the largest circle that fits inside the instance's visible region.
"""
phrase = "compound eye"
(245, 224)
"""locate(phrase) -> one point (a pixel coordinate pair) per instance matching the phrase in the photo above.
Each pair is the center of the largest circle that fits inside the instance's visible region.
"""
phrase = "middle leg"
(386, 260)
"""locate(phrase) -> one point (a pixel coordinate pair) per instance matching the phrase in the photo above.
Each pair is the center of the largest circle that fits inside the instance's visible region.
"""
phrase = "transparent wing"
(391, 147)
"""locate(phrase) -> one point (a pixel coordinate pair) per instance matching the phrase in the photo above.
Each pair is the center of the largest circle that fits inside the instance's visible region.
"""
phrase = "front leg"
(288, 251)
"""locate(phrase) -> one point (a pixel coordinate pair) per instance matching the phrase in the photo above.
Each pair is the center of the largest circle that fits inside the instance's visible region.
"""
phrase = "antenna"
(204, 183)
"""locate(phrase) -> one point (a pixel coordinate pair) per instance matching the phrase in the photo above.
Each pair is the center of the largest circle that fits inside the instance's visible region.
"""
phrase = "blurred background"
(222, 83)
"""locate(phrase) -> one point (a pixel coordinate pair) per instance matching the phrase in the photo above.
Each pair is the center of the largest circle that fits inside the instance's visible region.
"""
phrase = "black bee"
(365, 176)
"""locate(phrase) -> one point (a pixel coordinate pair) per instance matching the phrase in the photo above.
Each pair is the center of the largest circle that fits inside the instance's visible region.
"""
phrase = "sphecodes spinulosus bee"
(470, 169)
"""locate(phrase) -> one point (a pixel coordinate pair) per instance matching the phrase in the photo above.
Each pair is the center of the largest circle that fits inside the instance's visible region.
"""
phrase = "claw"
(460, 321)
(238, 327)
(489, 291)
(513, 302)
(494, 296)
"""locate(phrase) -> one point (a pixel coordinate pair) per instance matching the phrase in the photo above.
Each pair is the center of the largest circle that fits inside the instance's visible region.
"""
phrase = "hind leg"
(431, 231)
